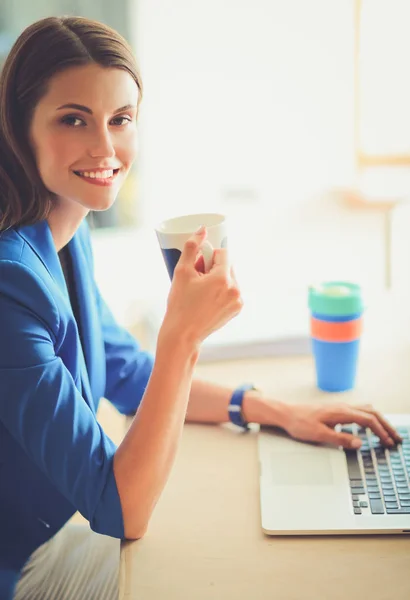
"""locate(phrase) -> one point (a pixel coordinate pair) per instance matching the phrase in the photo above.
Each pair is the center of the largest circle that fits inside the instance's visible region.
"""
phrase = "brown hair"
(43, 49)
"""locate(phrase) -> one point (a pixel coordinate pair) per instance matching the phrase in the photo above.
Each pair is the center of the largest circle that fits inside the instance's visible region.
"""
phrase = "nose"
(101, 144)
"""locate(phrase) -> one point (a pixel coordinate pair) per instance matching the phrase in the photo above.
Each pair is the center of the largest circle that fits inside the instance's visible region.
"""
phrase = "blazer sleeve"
(42, 408)
(128, 368)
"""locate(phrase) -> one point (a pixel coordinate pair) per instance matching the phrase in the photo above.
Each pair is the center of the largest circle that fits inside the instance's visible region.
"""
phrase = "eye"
(125, 120)
(72, 121)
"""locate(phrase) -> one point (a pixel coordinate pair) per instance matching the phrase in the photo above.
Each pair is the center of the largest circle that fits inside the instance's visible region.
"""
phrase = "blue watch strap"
(235, 405)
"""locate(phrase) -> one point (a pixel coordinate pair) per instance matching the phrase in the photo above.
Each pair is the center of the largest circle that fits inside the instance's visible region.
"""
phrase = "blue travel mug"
(336, 327)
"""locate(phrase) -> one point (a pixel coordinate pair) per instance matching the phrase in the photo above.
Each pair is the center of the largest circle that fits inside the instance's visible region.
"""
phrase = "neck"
(64, 220)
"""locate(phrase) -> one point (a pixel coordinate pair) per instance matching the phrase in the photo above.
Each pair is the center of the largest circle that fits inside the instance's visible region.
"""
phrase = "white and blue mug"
(173, 233)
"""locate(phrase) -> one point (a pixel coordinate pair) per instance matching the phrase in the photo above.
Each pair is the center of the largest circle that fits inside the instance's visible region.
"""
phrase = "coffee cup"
(173, 233)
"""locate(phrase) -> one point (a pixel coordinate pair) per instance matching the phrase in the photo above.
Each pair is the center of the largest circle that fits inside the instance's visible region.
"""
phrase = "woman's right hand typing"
(198, 303)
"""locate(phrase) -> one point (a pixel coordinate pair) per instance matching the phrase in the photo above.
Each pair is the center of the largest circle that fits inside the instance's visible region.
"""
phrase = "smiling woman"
(69, 97)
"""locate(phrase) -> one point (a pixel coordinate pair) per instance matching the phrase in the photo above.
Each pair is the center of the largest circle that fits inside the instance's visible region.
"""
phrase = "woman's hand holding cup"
(201, 303)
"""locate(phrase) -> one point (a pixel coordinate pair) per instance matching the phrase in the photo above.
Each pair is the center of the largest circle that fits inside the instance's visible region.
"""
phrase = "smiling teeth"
(97, 174)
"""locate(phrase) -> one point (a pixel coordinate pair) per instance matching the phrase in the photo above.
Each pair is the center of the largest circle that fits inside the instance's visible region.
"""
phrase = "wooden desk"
(205, 542)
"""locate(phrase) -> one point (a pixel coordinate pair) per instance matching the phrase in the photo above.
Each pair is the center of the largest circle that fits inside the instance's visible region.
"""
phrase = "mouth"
(102, 177)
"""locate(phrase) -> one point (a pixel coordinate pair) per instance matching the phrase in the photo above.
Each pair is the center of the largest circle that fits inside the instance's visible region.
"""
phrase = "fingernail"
(201, 229)
(390, 441)
(355, 443)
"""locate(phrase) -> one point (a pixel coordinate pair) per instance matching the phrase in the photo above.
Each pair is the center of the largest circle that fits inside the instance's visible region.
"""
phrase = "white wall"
(248, 110)
(253, 94)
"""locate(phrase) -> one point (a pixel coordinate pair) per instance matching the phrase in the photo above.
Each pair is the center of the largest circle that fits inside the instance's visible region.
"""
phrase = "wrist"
(257, 409)
(176, 346)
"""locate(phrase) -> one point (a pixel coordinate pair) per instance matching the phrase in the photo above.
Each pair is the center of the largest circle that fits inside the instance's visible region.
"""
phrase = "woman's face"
(84, 134)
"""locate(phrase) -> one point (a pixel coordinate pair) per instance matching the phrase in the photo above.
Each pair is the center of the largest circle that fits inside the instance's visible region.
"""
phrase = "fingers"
(191, 248)
(220, 265)
(390, 430)
(328, 435)
(200, 264)
(221, 259)
(364, 419)
(233, 277)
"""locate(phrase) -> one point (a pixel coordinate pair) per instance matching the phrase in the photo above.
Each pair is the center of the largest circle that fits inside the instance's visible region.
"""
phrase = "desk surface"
(205, 542)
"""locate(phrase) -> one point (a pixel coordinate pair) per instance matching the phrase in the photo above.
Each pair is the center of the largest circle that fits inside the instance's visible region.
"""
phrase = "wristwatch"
(235, 406)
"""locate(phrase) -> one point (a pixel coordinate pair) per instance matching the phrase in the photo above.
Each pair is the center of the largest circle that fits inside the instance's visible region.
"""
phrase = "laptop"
(311, 489)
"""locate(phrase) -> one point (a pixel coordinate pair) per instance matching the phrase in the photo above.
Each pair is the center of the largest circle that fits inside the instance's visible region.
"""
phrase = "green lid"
(335, 298)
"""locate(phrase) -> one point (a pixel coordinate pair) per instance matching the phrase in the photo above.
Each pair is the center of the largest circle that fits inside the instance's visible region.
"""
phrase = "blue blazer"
(54, 457)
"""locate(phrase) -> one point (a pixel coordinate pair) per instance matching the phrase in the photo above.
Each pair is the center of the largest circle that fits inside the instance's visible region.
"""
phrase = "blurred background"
(290, 117)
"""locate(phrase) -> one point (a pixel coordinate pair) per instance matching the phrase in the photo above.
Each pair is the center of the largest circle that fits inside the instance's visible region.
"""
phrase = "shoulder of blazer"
(11, 245)
(22, 285)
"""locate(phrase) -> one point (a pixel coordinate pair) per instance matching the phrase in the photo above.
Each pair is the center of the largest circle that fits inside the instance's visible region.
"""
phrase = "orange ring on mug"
(330, 331)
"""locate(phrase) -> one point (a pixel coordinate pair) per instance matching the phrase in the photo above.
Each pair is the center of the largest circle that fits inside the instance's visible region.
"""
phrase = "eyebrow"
(90, 112)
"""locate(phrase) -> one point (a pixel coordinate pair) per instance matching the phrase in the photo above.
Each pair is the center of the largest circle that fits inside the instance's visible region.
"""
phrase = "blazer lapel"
(40, 239)
(92, 339)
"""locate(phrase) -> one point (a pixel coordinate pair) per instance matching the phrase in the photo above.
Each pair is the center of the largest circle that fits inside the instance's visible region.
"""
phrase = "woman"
(69, 98)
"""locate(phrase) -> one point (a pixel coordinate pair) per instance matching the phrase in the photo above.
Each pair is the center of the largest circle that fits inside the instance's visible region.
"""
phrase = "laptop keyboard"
(379, 477)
